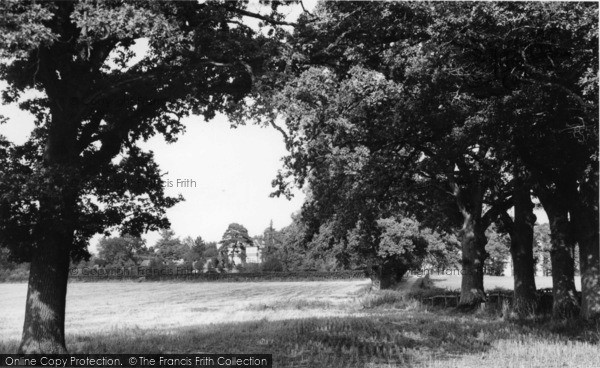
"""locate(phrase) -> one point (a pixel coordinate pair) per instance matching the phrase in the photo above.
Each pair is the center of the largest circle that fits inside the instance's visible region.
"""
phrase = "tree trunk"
(473, 243)
(521, 249)
(585, 220)
(44, 327)
(386, 275)
(565, 303)
(473, 240)
(589, 250)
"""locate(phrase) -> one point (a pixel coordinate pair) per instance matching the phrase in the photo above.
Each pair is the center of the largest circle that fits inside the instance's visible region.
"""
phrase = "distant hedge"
(165, 275)
(16, 274)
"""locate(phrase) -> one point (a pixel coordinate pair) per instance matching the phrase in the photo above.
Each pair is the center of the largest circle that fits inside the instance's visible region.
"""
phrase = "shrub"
(381, 298)
(272, 264)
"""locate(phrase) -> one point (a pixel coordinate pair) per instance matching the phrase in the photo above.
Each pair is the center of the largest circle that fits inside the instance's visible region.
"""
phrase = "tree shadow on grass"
(313, 342)
(387, 339)
(541, 323)
(390, 331)
(384, 338)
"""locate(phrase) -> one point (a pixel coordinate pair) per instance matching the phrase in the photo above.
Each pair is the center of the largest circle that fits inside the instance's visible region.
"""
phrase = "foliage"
(432, 117)
(98, 99)
(401, 238)
(372, 131)
(498, 247)
(271, 247)
(11, 271)
(443, 250)
(170, 248)
(123, 251)
(194, 257)
(542, 247)
(234, 243)
(211, 251)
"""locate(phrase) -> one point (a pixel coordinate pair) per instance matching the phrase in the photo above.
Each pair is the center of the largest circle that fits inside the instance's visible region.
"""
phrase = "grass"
(297, 304)
(452, 282)
(311, 324)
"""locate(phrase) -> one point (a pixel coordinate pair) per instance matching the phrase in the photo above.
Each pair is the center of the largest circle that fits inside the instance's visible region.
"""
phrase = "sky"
(232, 170)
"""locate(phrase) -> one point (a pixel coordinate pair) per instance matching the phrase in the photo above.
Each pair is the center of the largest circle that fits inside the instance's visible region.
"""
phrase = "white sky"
(233, 170)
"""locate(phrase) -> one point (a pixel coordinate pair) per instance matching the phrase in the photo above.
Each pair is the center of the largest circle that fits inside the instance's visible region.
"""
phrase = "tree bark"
(44, 326)
(473, 241)
(521, 249)
(386, 275)
(565, 303)
(589, 256)
(585, 220)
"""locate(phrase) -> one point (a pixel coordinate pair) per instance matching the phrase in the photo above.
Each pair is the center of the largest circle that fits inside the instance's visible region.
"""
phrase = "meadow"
(303, 324)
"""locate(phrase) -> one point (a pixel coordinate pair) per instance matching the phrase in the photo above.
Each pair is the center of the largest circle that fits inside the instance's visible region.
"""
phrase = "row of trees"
(128, 251)
(406, 120)
(280, 250)
(398, 116)
(295, 248)
(169, 250)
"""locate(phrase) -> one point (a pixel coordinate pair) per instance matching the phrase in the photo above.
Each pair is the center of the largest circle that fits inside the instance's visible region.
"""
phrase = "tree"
(293, 252)
(81, 172)
(212, 255)
(120, 251)
(521, 230)
(496, 114)
(271, 244)
(234, 243)
(498, 249)
(360, 123)
(195, 251)
(401, 244)
(357, 166)
(540, 61)
(443, 250)
(211, 250)
(543, 245)
(169, 248)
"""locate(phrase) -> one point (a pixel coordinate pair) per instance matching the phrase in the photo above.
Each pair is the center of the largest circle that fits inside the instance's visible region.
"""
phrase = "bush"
(251, 268)
(272, 265)
(16, 273)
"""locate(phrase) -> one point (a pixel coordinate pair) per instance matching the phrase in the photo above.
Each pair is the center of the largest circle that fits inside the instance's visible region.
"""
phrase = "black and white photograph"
(299, 183)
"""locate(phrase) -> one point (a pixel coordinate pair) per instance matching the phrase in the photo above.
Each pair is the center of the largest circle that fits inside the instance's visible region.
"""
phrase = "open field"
(93, 307)
(303, 324)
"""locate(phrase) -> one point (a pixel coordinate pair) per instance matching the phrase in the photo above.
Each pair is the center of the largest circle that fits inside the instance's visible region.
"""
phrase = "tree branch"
(260, 16)
(280, 129)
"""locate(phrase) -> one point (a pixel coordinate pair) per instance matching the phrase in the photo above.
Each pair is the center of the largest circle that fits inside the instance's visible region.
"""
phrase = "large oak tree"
(95, 98)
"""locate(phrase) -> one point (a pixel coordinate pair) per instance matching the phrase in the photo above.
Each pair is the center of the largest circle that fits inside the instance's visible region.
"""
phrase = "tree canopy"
(74, 66)
(480, 104)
